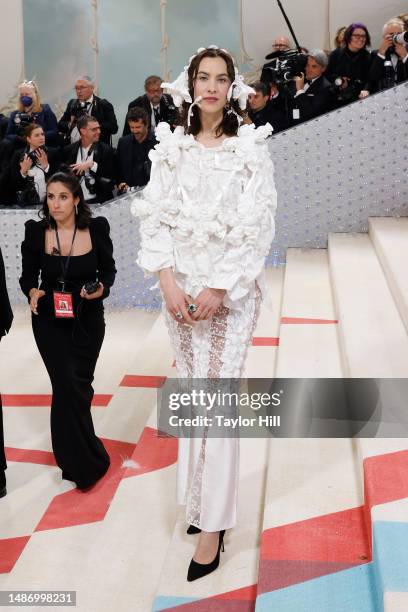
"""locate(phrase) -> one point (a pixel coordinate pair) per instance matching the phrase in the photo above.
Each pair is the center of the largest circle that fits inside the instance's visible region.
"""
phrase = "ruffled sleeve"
(156, 250)
(250, 235)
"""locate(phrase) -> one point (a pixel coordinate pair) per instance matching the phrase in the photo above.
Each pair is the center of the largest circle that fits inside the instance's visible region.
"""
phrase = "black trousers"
(3, 463)
(70, 352)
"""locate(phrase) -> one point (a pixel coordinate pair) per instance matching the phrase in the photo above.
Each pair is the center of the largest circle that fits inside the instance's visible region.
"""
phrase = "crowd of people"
(294, 86)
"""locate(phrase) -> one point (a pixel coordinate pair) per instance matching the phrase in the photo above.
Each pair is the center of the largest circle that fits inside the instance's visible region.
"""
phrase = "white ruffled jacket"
(209, 212)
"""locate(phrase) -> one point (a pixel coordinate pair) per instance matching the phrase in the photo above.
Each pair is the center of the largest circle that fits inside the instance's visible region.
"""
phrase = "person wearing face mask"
(72, 253)
(206, 226)
(30, 169)
(132, 155)
(30, 110)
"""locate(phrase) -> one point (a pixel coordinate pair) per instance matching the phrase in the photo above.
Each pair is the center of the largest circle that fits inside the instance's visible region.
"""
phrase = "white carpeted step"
(308, 333)
(390, 238)
(373, 339)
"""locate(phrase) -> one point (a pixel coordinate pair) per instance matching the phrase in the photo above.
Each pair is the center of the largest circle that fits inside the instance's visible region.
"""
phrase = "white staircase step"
(372, 336)
(308, 339)
(390, 238)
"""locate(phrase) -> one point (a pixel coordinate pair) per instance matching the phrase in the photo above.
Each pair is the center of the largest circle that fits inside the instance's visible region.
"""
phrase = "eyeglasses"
(362, 36)
(80, 87)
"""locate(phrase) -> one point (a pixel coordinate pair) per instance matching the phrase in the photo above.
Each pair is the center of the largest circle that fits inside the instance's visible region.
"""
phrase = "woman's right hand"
(25, 165)
(35, 295)
(176, 300)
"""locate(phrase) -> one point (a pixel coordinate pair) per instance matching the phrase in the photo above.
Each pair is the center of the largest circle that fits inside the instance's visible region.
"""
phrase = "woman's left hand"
(364, 94)
(208, 301)
(92, 296)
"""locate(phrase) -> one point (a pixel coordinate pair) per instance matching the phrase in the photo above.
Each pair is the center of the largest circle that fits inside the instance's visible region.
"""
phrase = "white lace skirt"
(208, 468)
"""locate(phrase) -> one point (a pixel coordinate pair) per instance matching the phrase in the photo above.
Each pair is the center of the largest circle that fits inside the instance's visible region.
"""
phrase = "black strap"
(64, 268)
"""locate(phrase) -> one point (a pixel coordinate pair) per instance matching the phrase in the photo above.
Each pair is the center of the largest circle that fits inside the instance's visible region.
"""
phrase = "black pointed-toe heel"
(3, 491)
(199, 570)
(193, 530)
(3, 488)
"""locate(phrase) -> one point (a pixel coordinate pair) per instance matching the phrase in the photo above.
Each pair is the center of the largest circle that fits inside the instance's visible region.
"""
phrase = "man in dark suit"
(6, 318)
(389, 64)
(311, 94)
(92, 161)
(263, 110)
(158, 106)
(87, 103)
(132, 155)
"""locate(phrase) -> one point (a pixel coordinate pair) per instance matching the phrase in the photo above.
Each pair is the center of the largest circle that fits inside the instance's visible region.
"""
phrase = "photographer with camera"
(349, 66)
(132, 156)
(72, 253)
(311, 92)
(262, 110)
(92, 161)
(158, 105)
(389, 64)
(88, 104)
(29, 169)
(280, 45)
(30, 110)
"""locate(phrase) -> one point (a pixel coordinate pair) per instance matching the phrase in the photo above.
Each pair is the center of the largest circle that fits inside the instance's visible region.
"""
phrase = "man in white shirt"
(390, 63)
(92, 161)
(312, 94)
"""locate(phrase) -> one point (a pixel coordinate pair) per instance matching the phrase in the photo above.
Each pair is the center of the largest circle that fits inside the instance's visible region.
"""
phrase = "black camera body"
(288, 65)
(90, 182)
(344, 95)
(22, 120)
(28, 196)
(79, 109)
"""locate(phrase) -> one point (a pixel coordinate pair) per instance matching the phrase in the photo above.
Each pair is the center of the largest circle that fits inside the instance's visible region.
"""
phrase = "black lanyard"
(64, 268)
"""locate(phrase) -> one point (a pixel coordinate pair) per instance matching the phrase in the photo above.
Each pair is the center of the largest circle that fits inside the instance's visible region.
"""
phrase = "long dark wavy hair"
(229, 124)
(71, 182)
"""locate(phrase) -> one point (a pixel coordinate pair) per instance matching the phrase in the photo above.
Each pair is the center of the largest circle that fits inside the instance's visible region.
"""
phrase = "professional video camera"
(287, 66)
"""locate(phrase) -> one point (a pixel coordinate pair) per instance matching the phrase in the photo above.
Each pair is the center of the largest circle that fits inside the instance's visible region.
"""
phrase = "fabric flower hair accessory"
(179, 88)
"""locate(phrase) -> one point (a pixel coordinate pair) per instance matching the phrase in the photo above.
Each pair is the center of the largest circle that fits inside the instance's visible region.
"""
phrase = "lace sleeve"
(250, 235)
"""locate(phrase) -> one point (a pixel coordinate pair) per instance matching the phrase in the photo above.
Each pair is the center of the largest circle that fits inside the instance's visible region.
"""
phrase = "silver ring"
(179, 315)
(192, 308)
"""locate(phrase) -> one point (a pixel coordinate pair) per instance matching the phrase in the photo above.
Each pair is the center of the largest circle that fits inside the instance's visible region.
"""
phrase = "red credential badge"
(63, 305)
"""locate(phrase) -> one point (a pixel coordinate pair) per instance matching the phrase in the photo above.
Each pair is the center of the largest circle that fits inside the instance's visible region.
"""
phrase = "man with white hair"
(311, 94)
(87, 103)
(389, 64)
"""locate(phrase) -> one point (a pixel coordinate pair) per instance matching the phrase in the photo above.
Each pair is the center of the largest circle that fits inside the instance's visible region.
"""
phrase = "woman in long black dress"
(6, 318)
(70, 250)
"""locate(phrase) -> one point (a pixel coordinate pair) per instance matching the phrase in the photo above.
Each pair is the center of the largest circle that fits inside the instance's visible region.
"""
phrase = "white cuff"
(94, 167)
(382, 56)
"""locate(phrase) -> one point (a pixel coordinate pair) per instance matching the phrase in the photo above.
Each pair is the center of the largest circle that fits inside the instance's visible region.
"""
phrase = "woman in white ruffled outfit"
(206, 225)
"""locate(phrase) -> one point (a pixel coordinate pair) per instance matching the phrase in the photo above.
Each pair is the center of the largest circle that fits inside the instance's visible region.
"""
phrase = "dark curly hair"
(71, 182)
(229, 124)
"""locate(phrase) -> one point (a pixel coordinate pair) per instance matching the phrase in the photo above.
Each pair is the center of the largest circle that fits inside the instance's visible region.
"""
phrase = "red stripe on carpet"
(339, 537)
(44, 400)
(267, 341)
(153, 452)
(10, 551)
(303, 321)
(25, 455)
(133, 380)
(80, 507)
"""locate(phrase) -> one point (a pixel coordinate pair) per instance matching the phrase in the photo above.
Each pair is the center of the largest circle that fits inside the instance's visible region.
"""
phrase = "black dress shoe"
(199, 570)
(3, 492)
(193, 530)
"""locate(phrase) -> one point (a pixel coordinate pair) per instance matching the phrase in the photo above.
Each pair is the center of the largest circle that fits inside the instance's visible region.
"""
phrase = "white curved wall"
(12, 50)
